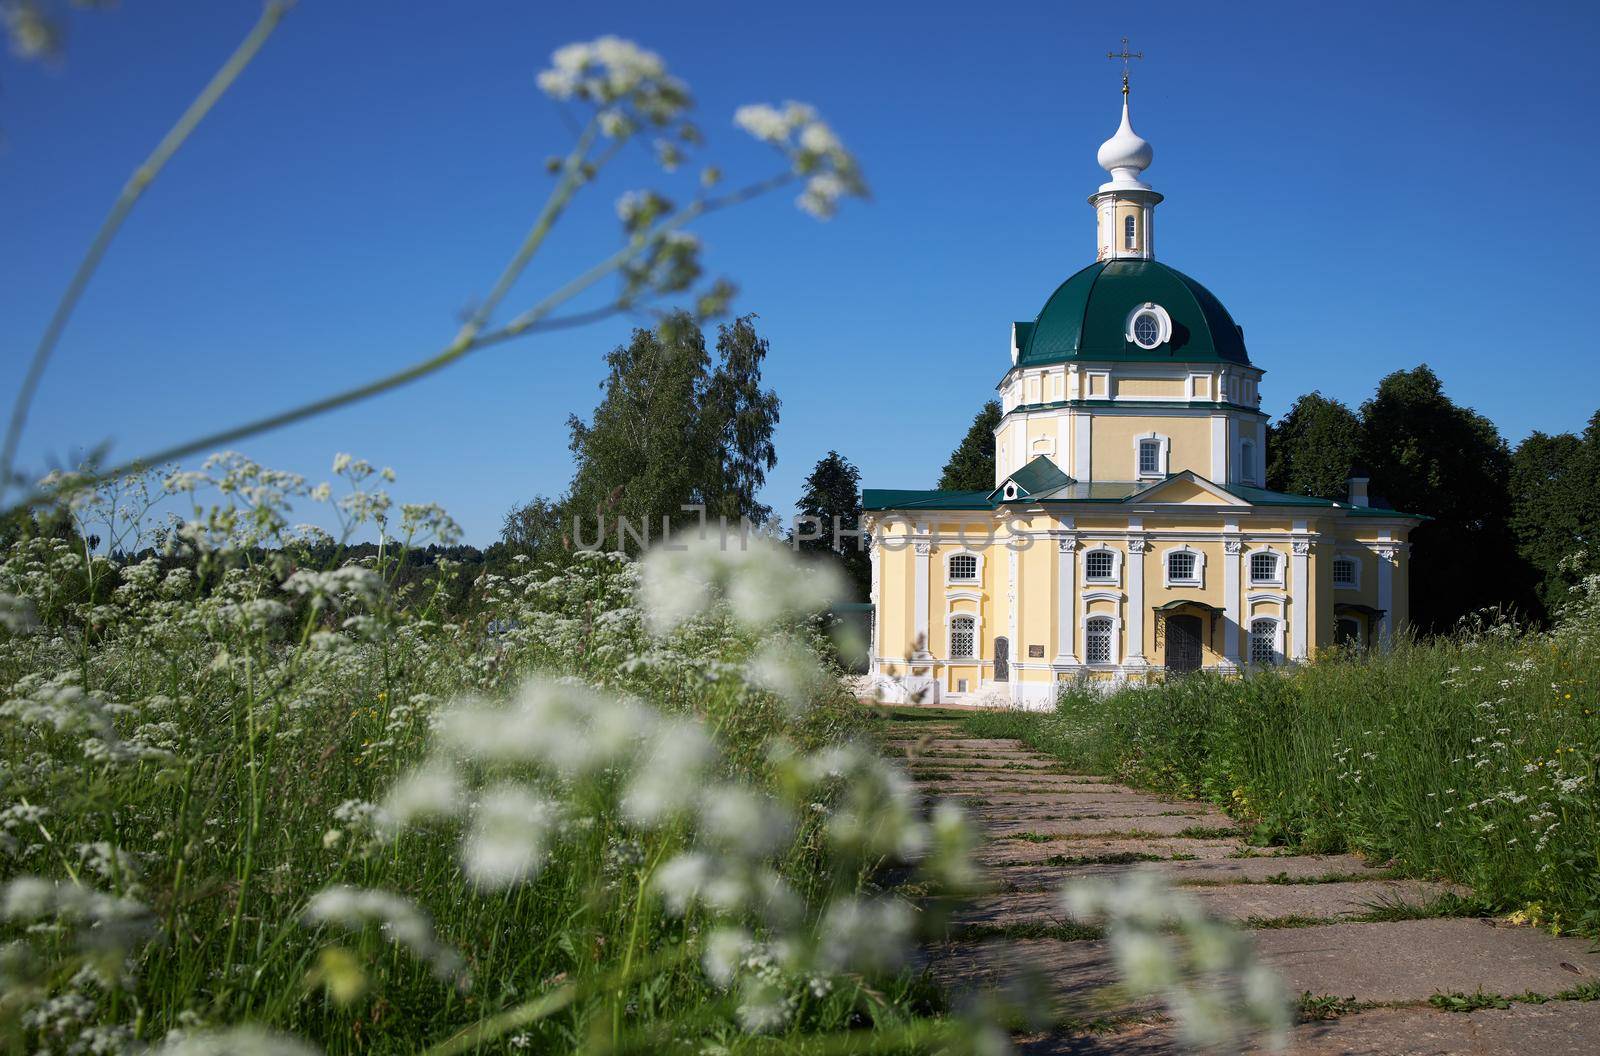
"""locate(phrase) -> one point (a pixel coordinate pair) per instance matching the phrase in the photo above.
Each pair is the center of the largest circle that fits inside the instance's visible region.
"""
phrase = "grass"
(212, 752)
(1470, 758)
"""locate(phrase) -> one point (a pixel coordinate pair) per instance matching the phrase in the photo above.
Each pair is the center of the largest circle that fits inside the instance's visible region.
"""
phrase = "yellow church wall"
(1112, 451)
(1149, 388)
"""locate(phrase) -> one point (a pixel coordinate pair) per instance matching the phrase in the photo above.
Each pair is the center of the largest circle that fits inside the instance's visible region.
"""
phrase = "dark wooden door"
(1183, 643)
(1002, 660)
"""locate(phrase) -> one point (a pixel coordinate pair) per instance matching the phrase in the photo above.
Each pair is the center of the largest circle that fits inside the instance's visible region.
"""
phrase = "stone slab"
(1238, 902)
(1095, 807)
(1414, 959)
(1089, 823)
(1404, 961)
(1255, 870)
(1557, 1028)
(1024, 852)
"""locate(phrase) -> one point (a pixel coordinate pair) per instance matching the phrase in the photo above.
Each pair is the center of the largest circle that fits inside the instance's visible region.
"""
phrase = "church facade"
(1128, 531)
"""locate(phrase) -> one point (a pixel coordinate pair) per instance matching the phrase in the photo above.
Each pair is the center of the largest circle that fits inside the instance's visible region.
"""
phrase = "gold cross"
(1125, 55)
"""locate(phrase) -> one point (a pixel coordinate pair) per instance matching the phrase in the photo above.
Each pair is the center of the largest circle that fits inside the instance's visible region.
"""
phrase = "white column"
(1082, 467)
(1011, 600)
(1232, 601)
(1134, 645)
(875, 595)
(920, 599)
(1300, 599)
(1066, 599)
(1219, 449)
(1386, 551)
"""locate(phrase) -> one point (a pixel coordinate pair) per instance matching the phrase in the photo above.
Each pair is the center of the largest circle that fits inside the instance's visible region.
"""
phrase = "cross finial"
(1125, 55)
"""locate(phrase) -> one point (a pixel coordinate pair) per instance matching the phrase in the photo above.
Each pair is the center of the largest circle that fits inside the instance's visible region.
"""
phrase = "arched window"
(963, 637)
(1247, 461)
(1344, 571)
(1264, 567)
(1264, 641)
(1097, 640)
(1182, 567)
(1149, 457)
(963, 568)
(1129, 232)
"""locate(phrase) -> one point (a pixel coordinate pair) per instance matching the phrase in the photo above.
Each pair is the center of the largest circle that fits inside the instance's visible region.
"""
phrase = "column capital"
(1138, 544)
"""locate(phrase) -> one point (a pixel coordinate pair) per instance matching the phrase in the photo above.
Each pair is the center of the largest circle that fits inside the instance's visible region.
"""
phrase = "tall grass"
(239, 789)
(1473, 758)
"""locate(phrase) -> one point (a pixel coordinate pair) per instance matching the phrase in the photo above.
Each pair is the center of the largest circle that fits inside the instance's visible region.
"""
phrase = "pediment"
(1187, 488)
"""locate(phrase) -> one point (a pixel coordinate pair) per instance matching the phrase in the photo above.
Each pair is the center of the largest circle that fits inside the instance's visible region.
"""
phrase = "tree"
(672, 432)
(1427, 455)
(833, 491)
(1315, 449)
(742, 417)
(540, 529)
(971, 465)
(1555, 509)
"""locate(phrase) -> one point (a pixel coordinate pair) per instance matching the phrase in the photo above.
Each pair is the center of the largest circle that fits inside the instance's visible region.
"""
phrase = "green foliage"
(1428, 455)
(672, 430)
(1315, 448)
(832, 494)
(971, 465)
(1471, 758)
(1555, 509)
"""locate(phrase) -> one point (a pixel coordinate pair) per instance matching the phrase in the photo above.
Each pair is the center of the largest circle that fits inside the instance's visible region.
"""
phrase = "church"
(1128, 532)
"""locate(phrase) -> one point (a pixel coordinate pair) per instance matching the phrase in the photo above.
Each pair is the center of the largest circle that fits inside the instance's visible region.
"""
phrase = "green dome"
(1087, 318)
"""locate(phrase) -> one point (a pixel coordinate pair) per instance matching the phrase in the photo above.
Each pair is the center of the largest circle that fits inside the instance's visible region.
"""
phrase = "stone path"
(1370, 979)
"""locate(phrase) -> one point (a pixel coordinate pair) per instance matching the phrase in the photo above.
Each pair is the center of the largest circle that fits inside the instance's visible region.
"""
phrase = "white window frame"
(1116, 638)
(1247, 462)
(952, 580)
(1355, 560)
(1277, 639)
(1199, 579)
(1163, 458)
(1116, 565)
(950, 618)
(1130, 232)
(1163, 325)
(1278, 562)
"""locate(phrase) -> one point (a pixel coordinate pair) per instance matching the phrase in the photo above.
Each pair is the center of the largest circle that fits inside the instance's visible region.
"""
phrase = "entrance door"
(1183, 643)
(1002, 660)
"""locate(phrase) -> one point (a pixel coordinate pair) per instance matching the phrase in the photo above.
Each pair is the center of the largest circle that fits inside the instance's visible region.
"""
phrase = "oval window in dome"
(1147, 329)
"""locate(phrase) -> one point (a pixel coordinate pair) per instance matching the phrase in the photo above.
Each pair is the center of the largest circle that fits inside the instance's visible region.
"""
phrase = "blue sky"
(1366, 186)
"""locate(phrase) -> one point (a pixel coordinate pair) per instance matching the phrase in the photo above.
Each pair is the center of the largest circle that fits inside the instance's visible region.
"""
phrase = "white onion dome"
(1126, 154)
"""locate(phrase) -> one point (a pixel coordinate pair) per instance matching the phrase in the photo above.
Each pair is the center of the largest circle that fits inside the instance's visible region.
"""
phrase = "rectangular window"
(962, 637)
(1182, 568)
(1263, 568)
(1344, 571)
(1149, 457)
(1263, 642)
(1097, 641)
(1099, 565)
(963, 568)
(1247, 462)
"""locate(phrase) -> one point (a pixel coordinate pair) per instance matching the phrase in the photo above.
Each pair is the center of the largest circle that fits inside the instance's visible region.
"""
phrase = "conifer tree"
(971, 465)
(833, 491)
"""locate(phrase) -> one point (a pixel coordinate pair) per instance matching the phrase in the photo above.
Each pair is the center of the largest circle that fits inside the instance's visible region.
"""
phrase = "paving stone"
(1256, 870)
(1090, 823)
(1558, 1028)
(1405, 961)
(1414, 959)
(1239, 902)
(1091, 806)
(1344, 899)
(1025, 852)
(982, 765)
